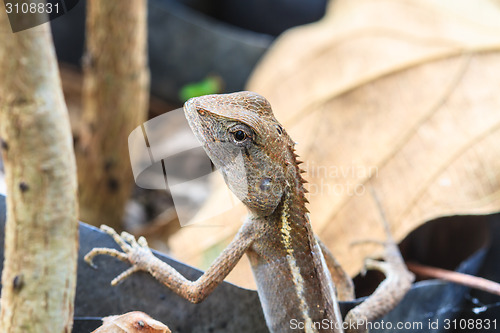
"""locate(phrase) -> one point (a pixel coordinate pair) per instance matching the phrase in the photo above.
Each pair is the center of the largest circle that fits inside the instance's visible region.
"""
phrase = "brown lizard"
(298, 280)
(131, 322)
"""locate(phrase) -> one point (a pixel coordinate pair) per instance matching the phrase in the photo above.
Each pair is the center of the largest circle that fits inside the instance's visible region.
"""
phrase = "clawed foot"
(391, 258)
(135, 252)
(389, 292)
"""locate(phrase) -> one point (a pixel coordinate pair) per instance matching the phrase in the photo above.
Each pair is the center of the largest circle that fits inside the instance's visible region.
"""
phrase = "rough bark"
(41, 237)
(115, 98)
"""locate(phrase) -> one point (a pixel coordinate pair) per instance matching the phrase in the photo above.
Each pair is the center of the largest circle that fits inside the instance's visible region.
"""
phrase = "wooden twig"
(455, 277)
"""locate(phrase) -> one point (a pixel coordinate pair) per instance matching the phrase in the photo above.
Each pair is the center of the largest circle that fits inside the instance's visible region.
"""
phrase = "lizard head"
(248, 145)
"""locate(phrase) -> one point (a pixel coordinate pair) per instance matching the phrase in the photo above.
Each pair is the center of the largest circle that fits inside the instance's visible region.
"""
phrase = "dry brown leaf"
(399, 96)
(131, 322)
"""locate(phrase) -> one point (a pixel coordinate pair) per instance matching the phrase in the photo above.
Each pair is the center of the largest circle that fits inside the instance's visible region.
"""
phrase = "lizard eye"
(241, 134)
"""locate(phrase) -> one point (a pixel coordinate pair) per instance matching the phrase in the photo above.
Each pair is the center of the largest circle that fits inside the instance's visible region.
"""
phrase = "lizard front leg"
(138, 254)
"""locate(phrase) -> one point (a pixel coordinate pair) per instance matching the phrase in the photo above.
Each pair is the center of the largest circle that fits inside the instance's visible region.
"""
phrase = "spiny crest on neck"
(299, 180)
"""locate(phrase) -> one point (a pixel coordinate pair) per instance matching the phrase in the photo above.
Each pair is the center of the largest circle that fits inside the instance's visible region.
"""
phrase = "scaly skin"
(241, 137)
(257, 159)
